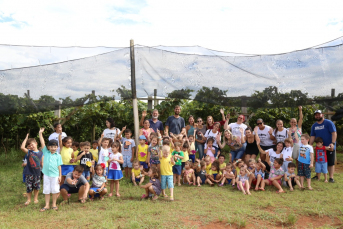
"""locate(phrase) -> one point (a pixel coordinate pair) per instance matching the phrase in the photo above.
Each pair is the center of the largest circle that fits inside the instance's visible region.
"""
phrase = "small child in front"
(33, 166)
(321, 159)
(166, 164)
(154, 185)
(137, 175)
(52, 171)
(305, 160)
(290, 179)
(98, 182)
(177, 156)
(142, 152)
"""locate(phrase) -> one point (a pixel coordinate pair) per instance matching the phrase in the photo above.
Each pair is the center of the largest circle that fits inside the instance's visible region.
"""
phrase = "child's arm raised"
(121, 132)
(41, 139)
(22, 147)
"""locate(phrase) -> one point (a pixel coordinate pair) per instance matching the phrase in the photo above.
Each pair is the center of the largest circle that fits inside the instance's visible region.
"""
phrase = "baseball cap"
(142, 137)
(53, 143)
(318, 111)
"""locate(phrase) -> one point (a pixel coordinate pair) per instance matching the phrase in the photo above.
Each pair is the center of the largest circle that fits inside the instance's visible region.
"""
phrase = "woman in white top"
(58, 131)
(295, 131)
(274, 153)
(111, 131)
(280, 133)
(236, 127)
(213, 134)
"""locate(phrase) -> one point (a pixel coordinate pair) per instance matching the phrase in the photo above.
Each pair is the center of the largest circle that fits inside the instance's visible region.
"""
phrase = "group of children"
(167, 161)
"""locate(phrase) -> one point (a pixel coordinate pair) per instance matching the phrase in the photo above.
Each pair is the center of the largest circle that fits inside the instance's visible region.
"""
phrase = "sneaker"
(331, 180)
(315, 178)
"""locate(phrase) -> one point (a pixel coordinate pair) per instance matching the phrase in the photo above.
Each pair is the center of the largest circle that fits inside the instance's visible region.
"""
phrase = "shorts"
(32, 183)
(321, 167)
(86, 174)
(330, 155)
(251, 153)
(115, 175)
(203, 180)
(271, 183)
(295, 153)
(154, 162)
(137, 179)
(145, 165)
(214, 175)
(228, 180)
(192, 157)
(66, 169)
(70, 189)
(292, 182)
(167, 180)
(267, 147)
(243, 186)
(177, 169)
(304, 170)
(127, 161)
(182, 165)
(50, 185)
(254, 181)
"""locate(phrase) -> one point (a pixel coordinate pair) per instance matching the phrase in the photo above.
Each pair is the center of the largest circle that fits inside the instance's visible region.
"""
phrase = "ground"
(194, 207)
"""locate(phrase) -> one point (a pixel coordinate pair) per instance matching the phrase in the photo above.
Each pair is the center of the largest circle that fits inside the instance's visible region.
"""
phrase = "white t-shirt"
(209, 134)
(280, 135)
(287, 152)
(108, 133)
(114, 165)
(102, 154)
(273, 155)
(54, 136)
(235, 129)
(264, 136)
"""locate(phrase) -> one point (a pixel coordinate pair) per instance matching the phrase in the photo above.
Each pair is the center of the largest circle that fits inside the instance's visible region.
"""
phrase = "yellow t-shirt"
(208, 168)
(142, 152)
(137, 172)
(222, 166)
(66, 155)
(214, 172)
(237, 171)
(95, 154)
(185, 156)
(166, 166)
(171, 148)
(75, 156)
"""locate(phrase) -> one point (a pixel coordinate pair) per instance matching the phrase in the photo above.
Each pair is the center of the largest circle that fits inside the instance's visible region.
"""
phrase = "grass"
(193, 206)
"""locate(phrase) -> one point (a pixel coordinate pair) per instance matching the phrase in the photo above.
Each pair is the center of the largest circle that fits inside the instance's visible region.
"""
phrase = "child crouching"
(154, 185)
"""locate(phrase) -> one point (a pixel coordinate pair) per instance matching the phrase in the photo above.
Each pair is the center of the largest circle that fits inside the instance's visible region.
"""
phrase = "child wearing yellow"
(142, 152)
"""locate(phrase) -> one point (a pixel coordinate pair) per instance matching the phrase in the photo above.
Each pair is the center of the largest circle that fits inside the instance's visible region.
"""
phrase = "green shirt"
(51, 163)
(179, 161)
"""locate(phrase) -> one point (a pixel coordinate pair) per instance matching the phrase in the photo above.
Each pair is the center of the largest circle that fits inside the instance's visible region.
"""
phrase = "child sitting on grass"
(166, 163)
(258, 174)
(243, 181)
(215, 176)
(188, 176)
(275, 175)
(75, 182)
(137, 173)
(33, 166)
(98, 182)
(228, 175)
(290, 179)
(154, 185)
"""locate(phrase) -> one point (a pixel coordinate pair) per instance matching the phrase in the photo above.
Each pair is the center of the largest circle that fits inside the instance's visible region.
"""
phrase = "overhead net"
(259, 81)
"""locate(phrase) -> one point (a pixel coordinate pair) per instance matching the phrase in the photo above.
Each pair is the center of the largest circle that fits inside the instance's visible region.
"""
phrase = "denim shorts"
(145, 165)
(177, 169)
(167, 180)
(86, 174)
(321, 167)
(127, 161)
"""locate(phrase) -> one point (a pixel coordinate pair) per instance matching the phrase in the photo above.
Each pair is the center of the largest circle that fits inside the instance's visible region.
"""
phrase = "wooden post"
(155, 98)
(133, 90)
(149, 103)
(329, 117)
(58, 109)
(93, 92)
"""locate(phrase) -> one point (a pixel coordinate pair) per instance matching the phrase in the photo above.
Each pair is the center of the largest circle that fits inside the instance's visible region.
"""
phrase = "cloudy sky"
(255, 27)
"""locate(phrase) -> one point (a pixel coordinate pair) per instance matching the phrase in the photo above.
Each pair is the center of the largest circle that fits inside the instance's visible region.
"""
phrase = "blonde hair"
(166, 148)
(224, 138)
(207, 122)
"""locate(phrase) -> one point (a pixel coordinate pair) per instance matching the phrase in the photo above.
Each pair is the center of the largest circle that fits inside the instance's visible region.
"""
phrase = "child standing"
(52, 171)
(290, 180)
(33, 166)
(192, 151)
(185, 150)
(128, 151)
(321, 159)
(189, 176)
(94, 151)
(137, 175)
(98, 182)
(115, 174)
(142, 152)
(67, 156)
(305, 160)
(154, 185)
(86, 159)
(153, 150)
(177, 156)
(166, 163)
(104, 152)
(75, 147)
(287, 154)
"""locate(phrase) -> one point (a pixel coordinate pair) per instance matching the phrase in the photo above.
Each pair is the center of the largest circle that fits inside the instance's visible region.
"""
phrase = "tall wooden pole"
(133, 89)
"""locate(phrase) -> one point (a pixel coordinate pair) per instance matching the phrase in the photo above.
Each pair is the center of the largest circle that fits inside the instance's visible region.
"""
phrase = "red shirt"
(321, 155)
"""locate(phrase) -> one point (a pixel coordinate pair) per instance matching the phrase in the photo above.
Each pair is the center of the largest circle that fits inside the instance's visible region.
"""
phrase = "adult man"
(175, 124)
(155, 124)
(325, 129)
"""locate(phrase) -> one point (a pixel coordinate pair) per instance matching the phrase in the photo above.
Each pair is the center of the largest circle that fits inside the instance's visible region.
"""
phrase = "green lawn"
(208, 207)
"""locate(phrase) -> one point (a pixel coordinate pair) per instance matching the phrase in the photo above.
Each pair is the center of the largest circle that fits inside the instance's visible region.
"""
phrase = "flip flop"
(36, 201)
(27, 203)
(278, 192)
(44, 209)
(54, 208)
(82, 201)
(144, 196)
(262, 189)
(171, 199)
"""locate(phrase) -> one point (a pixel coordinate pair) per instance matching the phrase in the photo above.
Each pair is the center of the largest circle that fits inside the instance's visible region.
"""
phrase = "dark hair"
(221, 155)
(128, 131)
(95, 141)
(111, 121)
(30, 140)
(248, 128)
(260, 120)
(217, 165)
(291, 165)
(166, 142)
(318, 139)
(275, 147)
(76, 144)
(279, 161)
(154, 171)
(275, 131)
(99, 166)
(79, 168)
(185, 145)
(210, 139)
(107, 139)
(56, 124)
(64, 140)
(117, 145)
(82, 144)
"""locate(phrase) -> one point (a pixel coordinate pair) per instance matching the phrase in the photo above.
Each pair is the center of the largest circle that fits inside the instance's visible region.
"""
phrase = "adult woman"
(251, 139)
(280, 133)
(146, 130)
(58, 131)
(264, 132)
(274, 153)
(111, 131)
(295, 131)
(213, 134)
(236, 127)
(191, 126)
(234, 142)
(210, 122)
(199, 138)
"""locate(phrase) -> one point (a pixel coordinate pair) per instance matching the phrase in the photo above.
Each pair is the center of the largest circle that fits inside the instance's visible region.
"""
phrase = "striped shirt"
(51, 163)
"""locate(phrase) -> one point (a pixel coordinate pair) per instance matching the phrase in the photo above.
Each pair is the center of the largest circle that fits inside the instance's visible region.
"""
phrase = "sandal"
(82, 201)
(171, 198)
(278, 192)
(144, 196)
(27, 203)
(36, 201)
(262, 189)
(110, 195)
(155, 197)
(54, 208)
(165, 195)
(44, 209)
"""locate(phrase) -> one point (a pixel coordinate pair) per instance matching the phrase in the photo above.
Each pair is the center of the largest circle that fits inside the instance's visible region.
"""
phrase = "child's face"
(209, 144)
(52, 149)
(279, 124)
(94, 145)
(276, 165)
(76, 175)
(207, 161)
(258, 166)
(221, 160)
(142, 141)
(195, 165)
(304, 141)
(287, 144)
(32, 145)
(136, 166)
(242, 171)
(291, 170)
(86, 149)
(99, 171)
(252, 164)
(191, 139)
(165, 154)
(154, 141)
(319, 144)
(114, 149)
(187, 166)
(68, 143)
(239, 164)
(105, 143)
(128, 135)
(74, 148)
(177, 148)
(150, 173)
(228, 169)
(213, 168)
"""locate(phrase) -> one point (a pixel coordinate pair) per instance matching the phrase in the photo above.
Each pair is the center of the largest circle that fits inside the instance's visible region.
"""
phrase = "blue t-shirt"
(305, 154)
(33, 165)
(156, 126)
(324, 131)
(175, 124)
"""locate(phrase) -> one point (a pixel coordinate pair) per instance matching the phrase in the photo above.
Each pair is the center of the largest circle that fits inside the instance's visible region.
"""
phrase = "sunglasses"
(259, 123)
(199, 120)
